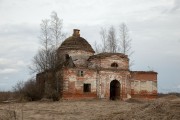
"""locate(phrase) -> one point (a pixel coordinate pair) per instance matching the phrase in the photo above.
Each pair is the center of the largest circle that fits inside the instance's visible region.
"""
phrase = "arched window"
(114, 65)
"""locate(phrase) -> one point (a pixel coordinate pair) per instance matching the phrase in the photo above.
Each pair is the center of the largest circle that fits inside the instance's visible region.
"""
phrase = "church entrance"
(114, 90)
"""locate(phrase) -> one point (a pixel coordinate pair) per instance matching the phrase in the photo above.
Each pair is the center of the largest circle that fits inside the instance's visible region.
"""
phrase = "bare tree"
(112, 40)
(27, 90)
(109, 40)
(103, 34)
(125, 41)
(46, 41)
(97, 47)
(110, 43)
(50, 38)
(56, 29)
(45, 37)
(47, 59)
(57, 37)
(44, 60)
(40, 60)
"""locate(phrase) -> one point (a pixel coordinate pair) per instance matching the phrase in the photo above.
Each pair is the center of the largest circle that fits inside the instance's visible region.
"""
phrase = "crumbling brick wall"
(144, 84)
(73, 83)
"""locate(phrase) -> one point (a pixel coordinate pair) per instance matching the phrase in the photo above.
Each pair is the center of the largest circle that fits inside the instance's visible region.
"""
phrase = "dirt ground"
(165, 108)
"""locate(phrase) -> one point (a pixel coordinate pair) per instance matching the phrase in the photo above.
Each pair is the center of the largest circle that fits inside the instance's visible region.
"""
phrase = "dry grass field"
(165, 108)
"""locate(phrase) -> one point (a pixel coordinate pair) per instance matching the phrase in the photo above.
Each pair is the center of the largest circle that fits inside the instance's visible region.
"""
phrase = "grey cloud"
(18, 40)
(8, 71)
(7, 63)
(172, 9)
(176, 5)
(21, 29)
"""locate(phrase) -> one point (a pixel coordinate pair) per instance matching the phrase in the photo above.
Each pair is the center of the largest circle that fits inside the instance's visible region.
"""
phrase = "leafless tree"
(40, 60)
(103, 34)
(108, 39)
(44, 60)
(18, 88)
(57, 37)
(46, 41)
(97, 47)
(51, 37)
(125, 41)
(39, 63)
(27, 90)
(112, 40)
(45, 37)
(56, 29)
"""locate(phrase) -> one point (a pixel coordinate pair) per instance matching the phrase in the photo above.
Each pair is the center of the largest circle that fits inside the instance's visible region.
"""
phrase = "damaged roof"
(76, 43)
(105, 54)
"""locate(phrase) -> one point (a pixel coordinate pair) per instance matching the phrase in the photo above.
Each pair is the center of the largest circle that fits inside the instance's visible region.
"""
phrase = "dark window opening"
(80, 73)
(114, 65)
(67, 57)
(87, 88)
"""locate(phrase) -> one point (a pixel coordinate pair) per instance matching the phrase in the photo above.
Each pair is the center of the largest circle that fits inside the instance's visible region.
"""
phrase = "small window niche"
(80, 73)
(87, 88)
(67, 57)
(114, 64)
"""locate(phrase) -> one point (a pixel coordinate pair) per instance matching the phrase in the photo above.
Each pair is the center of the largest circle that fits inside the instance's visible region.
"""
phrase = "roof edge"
(144, 72)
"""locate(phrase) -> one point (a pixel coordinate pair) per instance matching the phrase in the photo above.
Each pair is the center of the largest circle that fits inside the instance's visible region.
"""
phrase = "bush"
(5, 95)
(55, 96)
(31, 90)
(28, 90)
(52, 94)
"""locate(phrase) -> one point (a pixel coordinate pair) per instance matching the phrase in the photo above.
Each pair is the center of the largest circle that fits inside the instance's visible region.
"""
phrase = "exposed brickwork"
(106, 75)
(144, 75)
(144, 84)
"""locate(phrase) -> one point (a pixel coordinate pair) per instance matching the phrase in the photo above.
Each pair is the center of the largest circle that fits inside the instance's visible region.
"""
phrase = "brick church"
(84, 74)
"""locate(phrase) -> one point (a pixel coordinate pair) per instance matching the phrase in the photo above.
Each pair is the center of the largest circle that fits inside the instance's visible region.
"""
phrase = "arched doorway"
(114, 90)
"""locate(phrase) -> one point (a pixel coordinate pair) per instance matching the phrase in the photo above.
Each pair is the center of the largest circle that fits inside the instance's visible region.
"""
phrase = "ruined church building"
(84, 74)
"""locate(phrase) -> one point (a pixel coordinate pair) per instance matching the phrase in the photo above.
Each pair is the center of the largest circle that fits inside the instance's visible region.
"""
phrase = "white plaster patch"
(72, 78)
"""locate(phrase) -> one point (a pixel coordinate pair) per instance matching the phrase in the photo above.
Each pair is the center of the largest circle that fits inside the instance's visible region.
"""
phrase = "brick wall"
(106, 62)
(144, 84)
(74, 83)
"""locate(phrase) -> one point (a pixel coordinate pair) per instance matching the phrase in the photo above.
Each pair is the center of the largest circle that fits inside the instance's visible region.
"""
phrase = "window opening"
(67, 56)
(80, 73)
(87, 88)
(114, 65)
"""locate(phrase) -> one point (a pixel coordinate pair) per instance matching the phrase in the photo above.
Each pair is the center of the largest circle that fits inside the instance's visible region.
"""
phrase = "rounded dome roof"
(76, 42)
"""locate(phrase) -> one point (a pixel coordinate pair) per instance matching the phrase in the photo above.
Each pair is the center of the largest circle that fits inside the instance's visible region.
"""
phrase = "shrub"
(28, 90)
(5, 95)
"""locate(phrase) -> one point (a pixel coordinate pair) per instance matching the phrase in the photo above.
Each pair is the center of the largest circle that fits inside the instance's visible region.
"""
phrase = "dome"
(75, 42)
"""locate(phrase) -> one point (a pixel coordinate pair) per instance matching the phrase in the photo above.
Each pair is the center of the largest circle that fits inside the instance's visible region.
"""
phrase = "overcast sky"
(154, 28)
